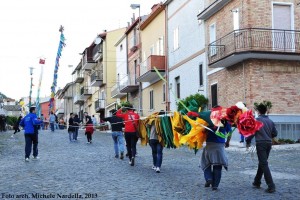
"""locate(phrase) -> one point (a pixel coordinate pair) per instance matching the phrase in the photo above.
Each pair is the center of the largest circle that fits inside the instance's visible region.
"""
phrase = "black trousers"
(88, 136)
(263, 151)
(131, 140)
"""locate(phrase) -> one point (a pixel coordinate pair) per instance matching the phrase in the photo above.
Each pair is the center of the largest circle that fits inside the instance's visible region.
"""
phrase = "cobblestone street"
(78, 170)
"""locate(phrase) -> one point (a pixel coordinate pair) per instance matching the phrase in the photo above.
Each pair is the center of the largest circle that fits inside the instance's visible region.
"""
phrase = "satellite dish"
(98, 40)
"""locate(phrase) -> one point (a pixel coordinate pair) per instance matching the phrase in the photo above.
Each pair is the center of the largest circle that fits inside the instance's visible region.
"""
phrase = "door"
(283, 39)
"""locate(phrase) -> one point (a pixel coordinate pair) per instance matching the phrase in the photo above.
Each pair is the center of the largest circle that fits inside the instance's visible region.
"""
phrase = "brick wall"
(273, 80)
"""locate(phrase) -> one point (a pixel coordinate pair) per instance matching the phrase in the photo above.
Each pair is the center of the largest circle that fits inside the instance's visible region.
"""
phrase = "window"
(164, 92)
(177, 81)
(121, 47)
(214, 95)
(175, 39)
(151, 100)
(201, 75)
(236, 20)
(212, 39)
(160, 46)
(152, 50)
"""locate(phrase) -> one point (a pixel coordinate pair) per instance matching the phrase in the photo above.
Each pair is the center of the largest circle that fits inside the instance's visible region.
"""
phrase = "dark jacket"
(116, 123)
(266, 132)
(71, 125)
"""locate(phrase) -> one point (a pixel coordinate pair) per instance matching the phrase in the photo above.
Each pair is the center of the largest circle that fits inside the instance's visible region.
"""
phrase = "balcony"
(128, 84)
(87, 59)
(85, 92)
(115, 91)
(212, 9)
(97, 52)
(254, 43)
(78, 77)
(99, 105)
(147, 72)
(97, 78)
(78, 99)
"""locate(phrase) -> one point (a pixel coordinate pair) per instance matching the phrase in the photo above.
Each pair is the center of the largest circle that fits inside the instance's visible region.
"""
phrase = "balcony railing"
(147, 72)
(78, 77)
(99, 104)
(85, 91)
(78, 99)
(87, 59)
(97, 52)
(128, 84)
(256, 40)
(115, 91)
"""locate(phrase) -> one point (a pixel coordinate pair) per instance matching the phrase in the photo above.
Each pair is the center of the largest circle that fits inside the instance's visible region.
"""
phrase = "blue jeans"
(157, 152)
(29, 140)
(263, 151)
(118, 138)
(131, 140)
(75, 133)
(52, 126)
(213, 173)
(71, 136)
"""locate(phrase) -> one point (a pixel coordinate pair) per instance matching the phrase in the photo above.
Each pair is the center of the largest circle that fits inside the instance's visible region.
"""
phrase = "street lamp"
(71, 66)
(135, 6)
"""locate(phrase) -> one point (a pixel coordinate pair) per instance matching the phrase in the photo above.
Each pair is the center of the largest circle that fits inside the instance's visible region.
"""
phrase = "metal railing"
(97, 75)
(100, 104)
(126, 81)
(288, 131)
(85, 90)
(254, 39)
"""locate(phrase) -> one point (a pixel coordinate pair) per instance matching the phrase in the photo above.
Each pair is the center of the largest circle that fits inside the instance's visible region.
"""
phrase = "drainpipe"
(166, 60)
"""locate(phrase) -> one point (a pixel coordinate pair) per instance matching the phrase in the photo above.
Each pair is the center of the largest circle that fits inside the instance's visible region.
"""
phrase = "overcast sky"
(29, 30)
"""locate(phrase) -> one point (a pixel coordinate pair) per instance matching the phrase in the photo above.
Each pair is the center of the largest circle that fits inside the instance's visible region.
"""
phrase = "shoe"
(157, 170)
(126, 155)
(208, 183)
(132, 161)
(256, 185)
(122, 156)
(88, 142)
(270, 190)
(26, 159)
(116, 156)
(35, 158)
(154, 168)
(12, 136)
(214, 188)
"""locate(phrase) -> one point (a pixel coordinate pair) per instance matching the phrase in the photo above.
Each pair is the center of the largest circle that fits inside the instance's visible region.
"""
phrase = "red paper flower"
(232, 114)
(192, 114)
(218, 114)
(247, 125)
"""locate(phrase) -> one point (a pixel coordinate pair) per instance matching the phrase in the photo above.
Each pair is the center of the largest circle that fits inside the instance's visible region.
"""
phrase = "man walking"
(30, 123)
(117, 134)
(263, 138)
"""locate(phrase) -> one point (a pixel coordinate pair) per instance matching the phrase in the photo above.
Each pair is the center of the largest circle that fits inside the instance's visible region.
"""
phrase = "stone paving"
(79, 170)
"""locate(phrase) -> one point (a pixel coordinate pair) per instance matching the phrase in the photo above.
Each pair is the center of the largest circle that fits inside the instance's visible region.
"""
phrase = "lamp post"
(30, 92)
(71, 66)
(135, 6)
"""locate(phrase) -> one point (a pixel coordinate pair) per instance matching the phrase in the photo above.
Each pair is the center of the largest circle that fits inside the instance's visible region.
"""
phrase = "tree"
(193, 102)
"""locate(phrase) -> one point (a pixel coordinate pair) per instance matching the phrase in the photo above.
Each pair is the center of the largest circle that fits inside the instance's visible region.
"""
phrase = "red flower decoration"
(192, 114)
(247, 124)
(218, 114)
(232, 114)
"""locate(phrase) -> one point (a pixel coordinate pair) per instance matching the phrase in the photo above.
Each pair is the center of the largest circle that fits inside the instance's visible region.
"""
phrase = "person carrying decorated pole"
(117, 133)
(30, 123)
(263, 139)
(131, 120)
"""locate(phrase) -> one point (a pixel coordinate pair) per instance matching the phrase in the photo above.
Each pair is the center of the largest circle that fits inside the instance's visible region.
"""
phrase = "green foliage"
(124, 104)
(11, 120)
(267, 104)
(193, 102)
(285, 141)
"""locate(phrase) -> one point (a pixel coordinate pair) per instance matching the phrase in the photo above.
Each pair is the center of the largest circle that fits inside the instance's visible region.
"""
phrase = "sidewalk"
(74, 170)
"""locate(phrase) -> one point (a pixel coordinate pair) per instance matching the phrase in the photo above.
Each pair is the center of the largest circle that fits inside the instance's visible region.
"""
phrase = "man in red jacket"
(131, 121)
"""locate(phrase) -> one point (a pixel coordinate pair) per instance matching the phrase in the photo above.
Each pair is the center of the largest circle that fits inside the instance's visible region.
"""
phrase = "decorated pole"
(38, 107)
(31, 84)
(54, 84)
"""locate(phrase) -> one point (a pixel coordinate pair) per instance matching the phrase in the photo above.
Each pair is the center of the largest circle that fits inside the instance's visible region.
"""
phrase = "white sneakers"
(157, 170)
(35, 158)
(26, 159)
